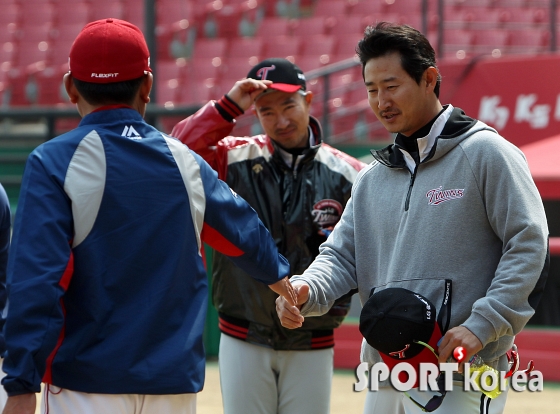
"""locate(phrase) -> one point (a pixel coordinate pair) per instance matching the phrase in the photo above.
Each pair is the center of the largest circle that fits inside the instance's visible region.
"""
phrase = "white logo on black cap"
(262, 72)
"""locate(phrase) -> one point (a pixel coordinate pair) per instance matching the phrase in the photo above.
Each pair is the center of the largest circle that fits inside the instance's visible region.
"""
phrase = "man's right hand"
(21, 404)
(245, 91)
(290, 316)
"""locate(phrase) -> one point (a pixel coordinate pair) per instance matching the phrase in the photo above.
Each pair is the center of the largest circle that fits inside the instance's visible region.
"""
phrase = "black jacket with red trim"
(295, 204)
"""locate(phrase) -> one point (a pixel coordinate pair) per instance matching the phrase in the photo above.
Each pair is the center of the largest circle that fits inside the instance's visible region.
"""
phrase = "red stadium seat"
(29, 52)
(7, 54)
(457, 43)
(171, 11)
(9, 21)
(458, 19)
(245, 47)
(465, 4)
(175, 44)
(462, 39)
(346, 46)
(71, 12)
(328, 8)
(170, 78)
(487, 41)
(237, 68)
(282, 46)
(373, 8)
(134, 12)
(59, 53)
(209, 48)
(50, 86)
(224, 23)
(310, 62)
(414, 20)
(514, 3)
(402, 7)
(34, 33)
(201, 69)
(67, 31)
(532, 17)
(16, 88)
(310, 26)
(103, 10)
(349, 25)
(272, 27)
(196, 92)
(167, 91)
(317, 45)
(477, 18)
(175, 69)
(32, 14)
(529, 41)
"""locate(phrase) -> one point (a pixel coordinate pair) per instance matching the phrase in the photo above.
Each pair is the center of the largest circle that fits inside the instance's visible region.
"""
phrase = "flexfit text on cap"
(285, 76)
(393, 319)
(108, 51)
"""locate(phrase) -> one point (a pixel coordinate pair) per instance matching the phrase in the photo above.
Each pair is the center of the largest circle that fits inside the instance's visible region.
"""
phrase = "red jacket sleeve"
(202, 131)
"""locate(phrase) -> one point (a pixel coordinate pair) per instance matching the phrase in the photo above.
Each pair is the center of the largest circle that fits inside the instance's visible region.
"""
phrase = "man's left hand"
(459, 336)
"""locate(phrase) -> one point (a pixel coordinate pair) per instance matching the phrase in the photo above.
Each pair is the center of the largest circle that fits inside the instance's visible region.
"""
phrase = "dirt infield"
(346, 401)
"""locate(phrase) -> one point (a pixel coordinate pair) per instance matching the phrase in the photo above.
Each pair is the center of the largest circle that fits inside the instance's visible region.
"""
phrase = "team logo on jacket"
(257, 168)
(439, 195)
(131, 133)
(326, 213)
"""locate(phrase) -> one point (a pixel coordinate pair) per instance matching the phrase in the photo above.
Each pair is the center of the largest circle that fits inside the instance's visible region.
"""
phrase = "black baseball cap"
(285, 75)
(393, 320)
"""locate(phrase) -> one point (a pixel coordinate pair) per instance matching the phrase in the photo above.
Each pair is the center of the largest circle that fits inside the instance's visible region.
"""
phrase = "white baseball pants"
(259, 380)
(62, 401)
(458, 401)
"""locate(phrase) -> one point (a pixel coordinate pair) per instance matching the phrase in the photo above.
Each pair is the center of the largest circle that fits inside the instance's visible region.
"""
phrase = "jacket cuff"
(228, 108)
(481, 328)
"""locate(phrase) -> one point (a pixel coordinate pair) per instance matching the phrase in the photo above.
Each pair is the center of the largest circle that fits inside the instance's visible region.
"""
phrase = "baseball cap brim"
(284, 87)
(426, 355)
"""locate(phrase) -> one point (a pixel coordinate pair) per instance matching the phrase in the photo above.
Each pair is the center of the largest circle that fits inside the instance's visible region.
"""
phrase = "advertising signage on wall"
(518, 96)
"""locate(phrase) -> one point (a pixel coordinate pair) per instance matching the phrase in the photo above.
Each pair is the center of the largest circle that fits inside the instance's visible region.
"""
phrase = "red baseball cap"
(108, 51)
(393, 320)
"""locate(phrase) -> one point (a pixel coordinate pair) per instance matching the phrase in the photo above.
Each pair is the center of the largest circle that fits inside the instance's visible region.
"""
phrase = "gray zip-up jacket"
(469, 212)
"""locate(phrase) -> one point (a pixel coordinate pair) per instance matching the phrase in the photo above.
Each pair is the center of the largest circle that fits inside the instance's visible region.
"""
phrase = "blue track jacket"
(5, 224)
(106, 284)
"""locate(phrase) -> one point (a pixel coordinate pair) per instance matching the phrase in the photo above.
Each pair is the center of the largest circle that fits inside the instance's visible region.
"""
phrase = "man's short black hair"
(109, 93)
(415, 50)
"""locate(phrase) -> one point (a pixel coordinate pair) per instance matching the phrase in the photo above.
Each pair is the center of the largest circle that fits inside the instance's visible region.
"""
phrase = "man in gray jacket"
(448, 211)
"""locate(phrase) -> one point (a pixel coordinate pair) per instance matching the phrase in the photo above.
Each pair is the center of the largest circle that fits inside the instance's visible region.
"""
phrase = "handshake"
(289, 303)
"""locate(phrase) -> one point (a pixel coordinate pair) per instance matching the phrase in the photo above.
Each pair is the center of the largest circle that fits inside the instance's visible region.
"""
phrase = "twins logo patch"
(439, 195)
(326, 213)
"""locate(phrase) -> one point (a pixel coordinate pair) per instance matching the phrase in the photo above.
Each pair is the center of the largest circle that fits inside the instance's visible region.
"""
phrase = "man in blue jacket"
(106, 282)
(5, 225)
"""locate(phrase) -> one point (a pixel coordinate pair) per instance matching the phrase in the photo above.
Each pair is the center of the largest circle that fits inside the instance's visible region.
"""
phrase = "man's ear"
(70, 88)
(308, 97)
(146, 87)
(431, 76)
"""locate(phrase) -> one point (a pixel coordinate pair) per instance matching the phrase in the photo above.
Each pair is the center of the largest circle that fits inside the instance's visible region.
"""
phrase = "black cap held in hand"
(286, 76)
(393, 319)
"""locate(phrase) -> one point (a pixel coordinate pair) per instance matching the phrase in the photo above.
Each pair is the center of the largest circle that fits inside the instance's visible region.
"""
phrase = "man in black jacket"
(299, 187)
